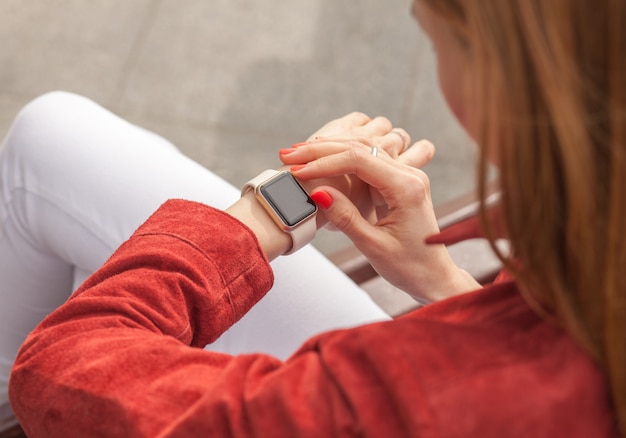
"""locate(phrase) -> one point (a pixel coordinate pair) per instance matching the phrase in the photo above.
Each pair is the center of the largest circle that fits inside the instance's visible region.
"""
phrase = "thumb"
(343, 215)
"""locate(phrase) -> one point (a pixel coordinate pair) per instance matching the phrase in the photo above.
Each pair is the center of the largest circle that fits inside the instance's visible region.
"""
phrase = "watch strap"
(258, 180)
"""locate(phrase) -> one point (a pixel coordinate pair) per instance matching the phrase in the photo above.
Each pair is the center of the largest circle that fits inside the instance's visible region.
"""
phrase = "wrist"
(437, 277)
(455, 281)
(273, 240)
(276, 204)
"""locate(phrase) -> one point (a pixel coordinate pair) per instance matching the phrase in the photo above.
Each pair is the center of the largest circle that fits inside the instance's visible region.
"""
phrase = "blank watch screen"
(288, 198)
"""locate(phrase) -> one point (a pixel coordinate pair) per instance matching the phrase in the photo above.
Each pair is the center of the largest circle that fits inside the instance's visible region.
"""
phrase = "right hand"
(395, 243)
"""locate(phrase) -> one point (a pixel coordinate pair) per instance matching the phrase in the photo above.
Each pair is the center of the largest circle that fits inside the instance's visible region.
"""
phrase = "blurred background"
(230, 82)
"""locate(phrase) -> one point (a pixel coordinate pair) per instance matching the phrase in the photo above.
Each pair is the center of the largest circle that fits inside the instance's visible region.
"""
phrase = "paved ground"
(232, 81)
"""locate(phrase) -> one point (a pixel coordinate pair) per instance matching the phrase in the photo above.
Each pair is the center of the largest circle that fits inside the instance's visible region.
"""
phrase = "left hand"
(377, 131)
(356, 130)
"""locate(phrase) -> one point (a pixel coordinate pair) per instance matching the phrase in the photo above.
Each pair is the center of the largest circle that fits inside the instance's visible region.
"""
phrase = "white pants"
(76, 181)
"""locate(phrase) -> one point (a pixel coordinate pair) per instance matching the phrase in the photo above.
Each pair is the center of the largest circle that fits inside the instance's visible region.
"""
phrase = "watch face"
(288, 199)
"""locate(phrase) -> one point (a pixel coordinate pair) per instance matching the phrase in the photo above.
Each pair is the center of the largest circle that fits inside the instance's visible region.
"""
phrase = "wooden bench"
(14, 432)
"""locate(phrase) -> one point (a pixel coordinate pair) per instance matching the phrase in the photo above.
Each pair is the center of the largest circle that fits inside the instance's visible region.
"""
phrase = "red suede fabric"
(123, 356)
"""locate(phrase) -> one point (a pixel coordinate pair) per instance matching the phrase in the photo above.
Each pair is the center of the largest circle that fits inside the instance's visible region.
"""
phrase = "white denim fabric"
(76, 181)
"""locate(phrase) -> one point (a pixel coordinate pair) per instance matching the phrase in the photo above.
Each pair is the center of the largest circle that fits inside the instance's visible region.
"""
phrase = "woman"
(538, 353)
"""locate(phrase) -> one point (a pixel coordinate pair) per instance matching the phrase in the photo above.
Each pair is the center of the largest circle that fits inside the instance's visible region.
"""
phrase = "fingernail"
(297, 167)
(297, 145)
(286, 151)
(322, 199)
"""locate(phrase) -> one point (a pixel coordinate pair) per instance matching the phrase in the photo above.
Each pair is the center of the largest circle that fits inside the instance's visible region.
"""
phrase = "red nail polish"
(297, 167)
(286, 151)
(297, 145)
(322, 199)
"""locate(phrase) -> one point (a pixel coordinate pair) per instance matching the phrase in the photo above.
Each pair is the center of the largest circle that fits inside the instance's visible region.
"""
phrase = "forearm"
(189, 272)
(272, 240)
(183, 278)
(119, 348)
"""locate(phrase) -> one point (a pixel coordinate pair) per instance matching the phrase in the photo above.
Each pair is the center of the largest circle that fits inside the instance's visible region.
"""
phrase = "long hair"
(550, 99)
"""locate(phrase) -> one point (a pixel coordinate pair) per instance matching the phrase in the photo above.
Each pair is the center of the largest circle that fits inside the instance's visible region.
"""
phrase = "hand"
(394, 243)
(377, 131)
(355, 129)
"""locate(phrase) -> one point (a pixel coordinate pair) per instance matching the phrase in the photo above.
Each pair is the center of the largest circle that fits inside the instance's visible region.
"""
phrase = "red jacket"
(123, 357)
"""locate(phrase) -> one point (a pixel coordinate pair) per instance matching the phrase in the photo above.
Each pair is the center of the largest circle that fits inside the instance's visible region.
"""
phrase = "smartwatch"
(289, 205)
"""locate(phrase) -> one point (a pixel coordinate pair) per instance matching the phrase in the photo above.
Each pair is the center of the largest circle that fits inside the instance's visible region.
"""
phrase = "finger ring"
(374, 151)
(402, 135)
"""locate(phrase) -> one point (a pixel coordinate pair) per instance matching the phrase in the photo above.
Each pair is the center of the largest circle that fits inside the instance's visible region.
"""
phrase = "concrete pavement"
(232, 81)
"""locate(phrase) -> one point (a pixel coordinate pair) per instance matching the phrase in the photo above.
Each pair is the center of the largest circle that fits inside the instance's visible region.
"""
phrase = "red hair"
(552, 113)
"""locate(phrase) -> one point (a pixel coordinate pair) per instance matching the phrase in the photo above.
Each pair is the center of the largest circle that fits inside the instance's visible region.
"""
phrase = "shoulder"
(485, 360)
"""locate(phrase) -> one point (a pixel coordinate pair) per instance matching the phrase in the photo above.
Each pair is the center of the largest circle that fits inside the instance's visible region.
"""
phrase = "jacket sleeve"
(124, 357)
